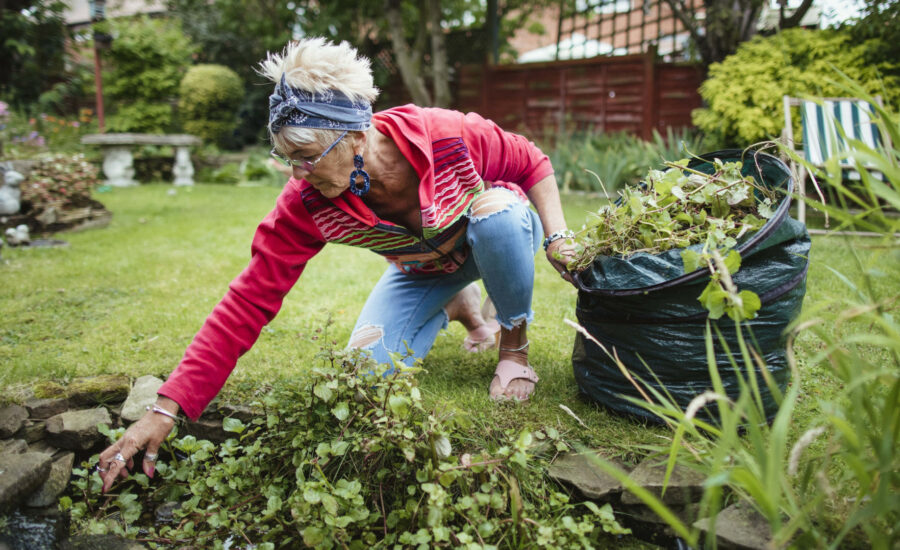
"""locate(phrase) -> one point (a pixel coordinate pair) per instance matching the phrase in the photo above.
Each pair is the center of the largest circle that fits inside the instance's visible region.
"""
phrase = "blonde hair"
(317, 65)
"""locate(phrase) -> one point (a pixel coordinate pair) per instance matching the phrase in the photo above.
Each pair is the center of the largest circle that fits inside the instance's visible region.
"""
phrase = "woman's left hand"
(560, 253)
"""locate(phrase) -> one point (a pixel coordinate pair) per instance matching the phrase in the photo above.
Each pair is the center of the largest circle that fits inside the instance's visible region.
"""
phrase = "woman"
(440, 194)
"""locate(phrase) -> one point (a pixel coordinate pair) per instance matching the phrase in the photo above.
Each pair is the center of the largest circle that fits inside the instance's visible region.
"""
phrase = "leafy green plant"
(744, 92)
(32, 52)
(677, 208)
(228, 173)
(209, 99)
(260, 168)
(350, 457)
(148, 59)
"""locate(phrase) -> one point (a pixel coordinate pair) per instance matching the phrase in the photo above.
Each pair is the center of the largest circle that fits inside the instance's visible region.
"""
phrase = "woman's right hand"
(148, 433)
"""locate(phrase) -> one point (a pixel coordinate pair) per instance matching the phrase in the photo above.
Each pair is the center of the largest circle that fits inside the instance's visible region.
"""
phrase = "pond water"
(41, 529)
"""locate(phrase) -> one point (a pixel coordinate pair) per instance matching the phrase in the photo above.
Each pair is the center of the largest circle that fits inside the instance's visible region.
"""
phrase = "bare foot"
(465, 307)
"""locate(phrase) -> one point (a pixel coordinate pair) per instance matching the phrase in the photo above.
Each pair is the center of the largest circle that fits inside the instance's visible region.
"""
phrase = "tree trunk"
(410, 69)
(796, 17)
(440, 70)
(726, 24)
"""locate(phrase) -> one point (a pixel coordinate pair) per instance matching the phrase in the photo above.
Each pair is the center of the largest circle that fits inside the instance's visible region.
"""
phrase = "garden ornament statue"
(10, 195)
(18, 236)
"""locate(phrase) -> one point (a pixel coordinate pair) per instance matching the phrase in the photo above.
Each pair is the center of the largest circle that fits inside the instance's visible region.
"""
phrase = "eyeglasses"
(306, 165)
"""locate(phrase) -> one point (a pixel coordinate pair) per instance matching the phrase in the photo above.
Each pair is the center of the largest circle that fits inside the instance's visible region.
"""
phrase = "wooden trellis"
(620, 27)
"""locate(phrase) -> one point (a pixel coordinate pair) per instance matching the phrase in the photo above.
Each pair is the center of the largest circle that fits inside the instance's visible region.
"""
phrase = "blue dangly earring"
(359, 190)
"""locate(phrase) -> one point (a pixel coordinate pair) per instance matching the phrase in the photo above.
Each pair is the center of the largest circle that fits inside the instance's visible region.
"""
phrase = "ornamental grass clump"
(349, 457)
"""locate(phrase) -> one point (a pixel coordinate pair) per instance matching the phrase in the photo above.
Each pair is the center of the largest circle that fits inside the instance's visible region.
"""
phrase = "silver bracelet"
(159, 410)
(562, 234)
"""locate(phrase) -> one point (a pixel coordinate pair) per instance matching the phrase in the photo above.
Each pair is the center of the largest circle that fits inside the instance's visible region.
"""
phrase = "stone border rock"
(738, 526)
(55, 429)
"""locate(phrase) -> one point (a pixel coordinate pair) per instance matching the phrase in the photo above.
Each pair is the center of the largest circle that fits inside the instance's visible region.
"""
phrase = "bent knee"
(365, 336)
(492, 201)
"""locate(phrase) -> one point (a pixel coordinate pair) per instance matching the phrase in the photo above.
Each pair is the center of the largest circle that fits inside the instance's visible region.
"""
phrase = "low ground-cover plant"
(350, 457)
(60, 181)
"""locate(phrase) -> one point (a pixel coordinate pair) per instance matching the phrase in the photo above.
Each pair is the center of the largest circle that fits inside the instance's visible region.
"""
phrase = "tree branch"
(796, 17)
(440, 69)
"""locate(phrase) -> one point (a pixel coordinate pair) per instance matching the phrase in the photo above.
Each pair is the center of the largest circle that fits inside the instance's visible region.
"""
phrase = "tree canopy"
(32, 49)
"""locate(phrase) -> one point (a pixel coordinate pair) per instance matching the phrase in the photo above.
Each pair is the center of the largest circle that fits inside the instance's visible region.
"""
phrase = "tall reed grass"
(616, 159)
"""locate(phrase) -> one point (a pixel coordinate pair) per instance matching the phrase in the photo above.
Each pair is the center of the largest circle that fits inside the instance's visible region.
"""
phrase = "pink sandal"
(508, 370)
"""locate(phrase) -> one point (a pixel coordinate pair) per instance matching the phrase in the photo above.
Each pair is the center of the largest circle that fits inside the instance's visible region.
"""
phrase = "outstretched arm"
(285, 240)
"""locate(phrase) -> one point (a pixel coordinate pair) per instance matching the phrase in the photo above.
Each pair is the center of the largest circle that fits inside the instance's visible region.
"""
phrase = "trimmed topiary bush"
(744, 92)
(210, 98)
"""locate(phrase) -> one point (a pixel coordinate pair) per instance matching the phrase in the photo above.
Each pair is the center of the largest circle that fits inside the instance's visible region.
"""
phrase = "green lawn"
(129, 298)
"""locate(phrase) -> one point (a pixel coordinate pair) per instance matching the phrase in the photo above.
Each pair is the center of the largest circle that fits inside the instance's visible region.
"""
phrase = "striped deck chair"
(821, 138)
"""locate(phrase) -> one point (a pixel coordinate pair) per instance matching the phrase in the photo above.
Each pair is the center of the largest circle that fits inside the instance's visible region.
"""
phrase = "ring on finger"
(150, 457)
(102, 470)
(119, 457)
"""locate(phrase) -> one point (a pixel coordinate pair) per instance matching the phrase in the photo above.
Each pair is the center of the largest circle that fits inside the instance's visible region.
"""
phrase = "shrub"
(60, 181)
(209, 99)
(33, 48)
(744, 92)
(148, 59)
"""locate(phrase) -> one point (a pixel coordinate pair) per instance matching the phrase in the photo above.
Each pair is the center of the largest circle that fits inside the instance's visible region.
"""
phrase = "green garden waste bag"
(645, 308)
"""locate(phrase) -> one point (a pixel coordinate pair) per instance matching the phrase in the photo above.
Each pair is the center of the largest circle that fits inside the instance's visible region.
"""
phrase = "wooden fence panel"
(631, 93)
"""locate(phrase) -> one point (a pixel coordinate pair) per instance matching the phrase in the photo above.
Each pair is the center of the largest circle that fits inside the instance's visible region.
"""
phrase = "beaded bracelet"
(159, 410)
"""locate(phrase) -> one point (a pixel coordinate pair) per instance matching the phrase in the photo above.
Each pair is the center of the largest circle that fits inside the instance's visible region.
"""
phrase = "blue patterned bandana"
(331, 110)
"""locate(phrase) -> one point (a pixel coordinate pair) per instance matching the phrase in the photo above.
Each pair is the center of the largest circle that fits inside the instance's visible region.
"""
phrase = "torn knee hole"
(491, 203)
(365, 336)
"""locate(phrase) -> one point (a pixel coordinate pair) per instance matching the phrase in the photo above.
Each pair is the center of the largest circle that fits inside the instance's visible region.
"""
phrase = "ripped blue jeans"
(408, 309)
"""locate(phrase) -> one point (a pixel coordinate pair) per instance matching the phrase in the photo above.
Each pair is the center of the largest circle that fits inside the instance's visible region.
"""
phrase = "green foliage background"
(32, 43)
(209, 98)
(148, 59)
(237, 34)
(744, 92)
